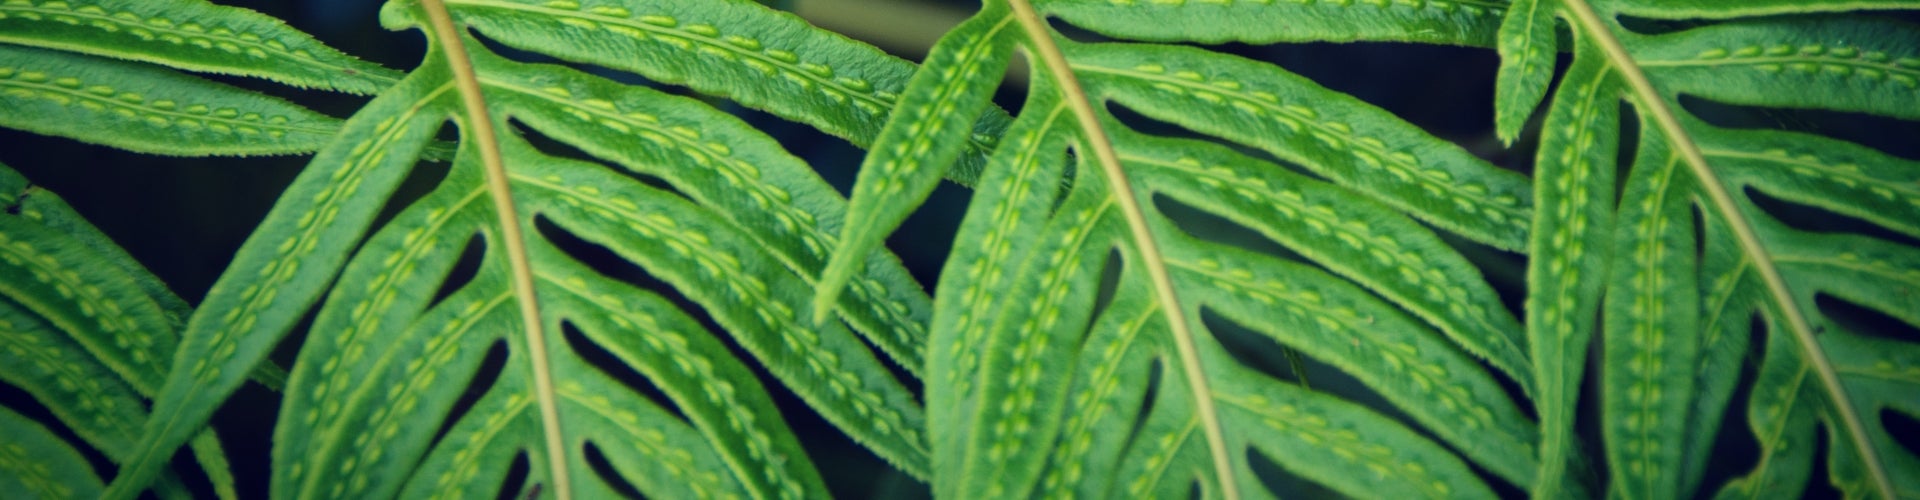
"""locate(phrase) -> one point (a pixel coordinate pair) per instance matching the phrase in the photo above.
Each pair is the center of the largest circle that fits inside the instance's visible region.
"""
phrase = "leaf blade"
(1332, 134)
(774, 61)
(1859, 64)
(1526, 65)
(1451, 22)
(33, 461)
(786, 206)
(1648, 316)
(954, 85)
(148, 110)
(1563, 289)
(305, 244)
(194, 35)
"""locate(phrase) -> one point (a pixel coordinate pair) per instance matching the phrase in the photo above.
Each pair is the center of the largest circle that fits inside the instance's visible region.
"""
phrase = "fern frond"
(1441, 387)
(1527, 48)
(1857, 64)
(760, 187)
(1649, 303)
(1335, 135)
(35, 462)
(766, 60)
(763, 59)
(1122, 314)
(88, 354)
(1014, 310)
(1666, 374)
(193, 35)
(1450, 22)
(509, 232)
(146, 109)
(1710, 9)
(98, 305)
(398, 338)
(1022, 179)
(1575, 163)
(96, 71)
(968, 63)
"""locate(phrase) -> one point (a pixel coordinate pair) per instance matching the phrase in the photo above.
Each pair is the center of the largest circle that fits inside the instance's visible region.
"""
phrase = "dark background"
(185, 217)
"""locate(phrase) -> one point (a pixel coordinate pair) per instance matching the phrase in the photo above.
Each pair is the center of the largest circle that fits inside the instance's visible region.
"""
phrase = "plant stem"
(511, 236)
(1122, 191)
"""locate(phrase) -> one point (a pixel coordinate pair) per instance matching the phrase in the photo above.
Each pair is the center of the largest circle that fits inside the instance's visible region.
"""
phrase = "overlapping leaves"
(1678, 307)
(373, 406)
(1018, 313)
(90, 334)
(62, 74)
(1077, 342)
(84, 330)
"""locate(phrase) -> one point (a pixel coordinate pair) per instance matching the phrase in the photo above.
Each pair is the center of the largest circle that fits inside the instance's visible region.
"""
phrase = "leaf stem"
(1650, 101)
(510, 234)
(1122, 190)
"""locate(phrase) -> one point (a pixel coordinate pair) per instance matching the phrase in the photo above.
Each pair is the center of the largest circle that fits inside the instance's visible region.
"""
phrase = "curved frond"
(1527, 48)
(762, 59)
(35, 462)
(147, 109)
(85, 330)
(1451, 22)
(97, 71)
(193, 35)
(1711, 9)
(1015, 316)
(1346, 140)
(1858, 64)
(965, 69)
(1673, 344)
(742, 232)
(1182, 271)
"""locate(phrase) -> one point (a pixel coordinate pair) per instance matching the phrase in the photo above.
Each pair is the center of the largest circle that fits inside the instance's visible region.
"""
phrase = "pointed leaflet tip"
(1526, 66)
(831, 282)
(924, 135)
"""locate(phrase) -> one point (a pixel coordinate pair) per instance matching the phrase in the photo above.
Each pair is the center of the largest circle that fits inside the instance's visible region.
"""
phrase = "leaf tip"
(832, 280)
(1507, 129)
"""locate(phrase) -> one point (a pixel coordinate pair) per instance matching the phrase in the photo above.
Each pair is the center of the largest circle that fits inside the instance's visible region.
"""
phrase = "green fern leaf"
(1526, 65)
(1440, 386)
(1451, 22)
(1710, 9)
(35, 462)
(1650, 301)
(1281, 113)
(88, 354)
(194, 35)
(968, 62)
(761, 188)
(766, 60)
(762, 59)
(58, 76)
(1337, 136)
(1564, 285)
(87, 398)
(1671, 362)
(386, 360)
(146, 109)
(1013, 311)
(99, 306)
(1092, 334)
(1865, 65)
